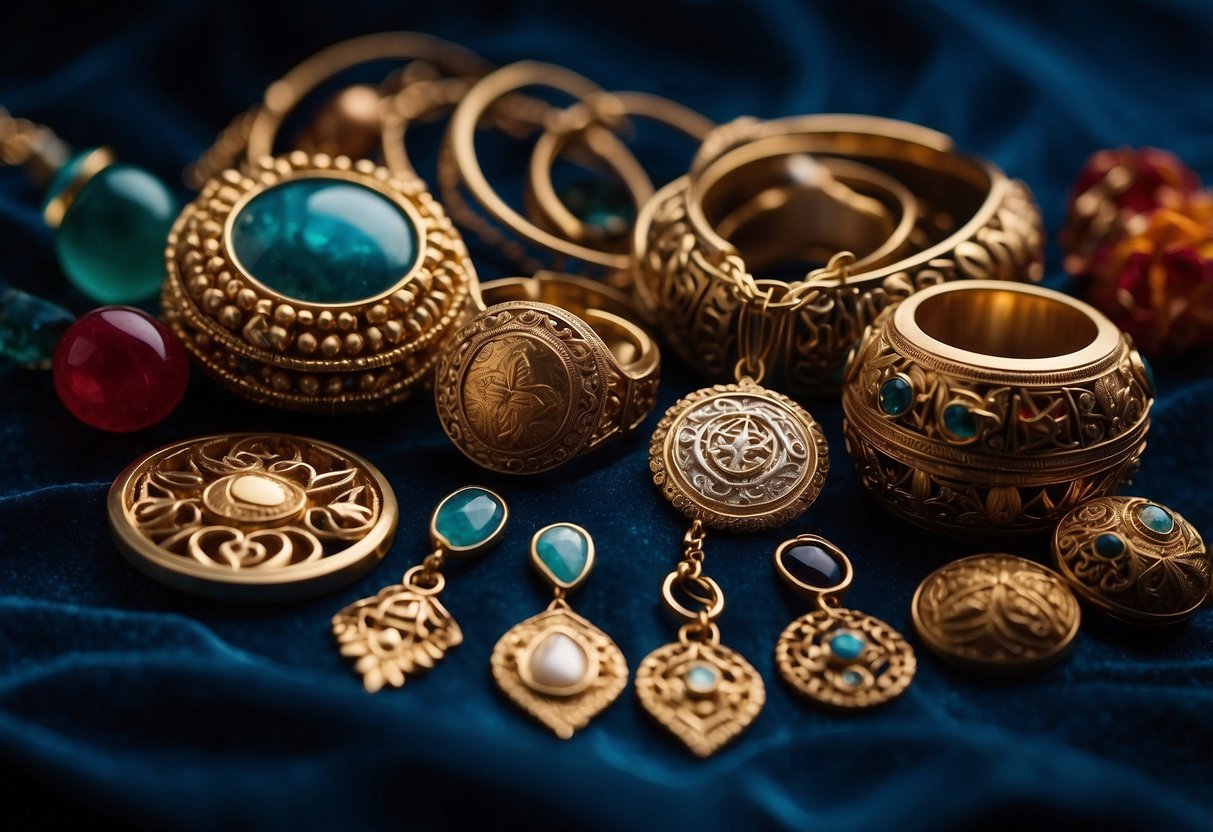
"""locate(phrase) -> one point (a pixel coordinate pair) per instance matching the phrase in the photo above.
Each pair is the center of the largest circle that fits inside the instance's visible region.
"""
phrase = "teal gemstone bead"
(1156, 518)
(324, 240)
(563, 551)
(65, 176)
(469, 518)
(852, 678)
(1148, 369)
(847, 646)
(111, 240)
(702, 678)
(1109, 545)
(896, 395)
(959, 421)
(30, 327)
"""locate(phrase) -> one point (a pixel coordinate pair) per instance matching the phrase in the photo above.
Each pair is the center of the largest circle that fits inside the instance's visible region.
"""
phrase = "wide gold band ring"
(992, 407)
(968, 220)
(550, 370)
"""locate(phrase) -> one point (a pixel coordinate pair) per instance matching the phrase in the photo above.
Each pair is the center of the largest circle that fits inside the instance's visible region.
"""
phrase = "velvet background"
(123, 700)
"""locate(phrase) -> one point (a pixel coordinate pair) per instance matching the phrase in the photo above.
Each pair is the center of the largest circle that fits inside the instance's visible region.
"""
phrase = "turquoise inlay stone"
(847, 646)
(324, 240)
(469, 518)
(602, 203)
(852, 678)
(111, 240)
(564, 551)
(30, 327)
(959, 421)
(896, 395)
(1156, 518)
(1109, 545)
(702, 678)
(65, 176)
(1148, 369)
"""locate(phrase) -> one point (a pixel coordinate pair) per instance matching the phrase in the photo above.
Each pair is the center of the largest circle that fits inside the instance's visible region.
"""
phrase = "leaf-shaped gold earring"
(405, 630)
(557, 666)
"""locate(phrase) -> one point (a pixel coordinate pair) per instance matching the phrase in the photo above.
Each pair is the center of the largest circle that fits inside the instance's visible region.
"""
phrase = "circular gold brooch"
(997, 613)
(1134, 559)
(739, 457)
(252, 516)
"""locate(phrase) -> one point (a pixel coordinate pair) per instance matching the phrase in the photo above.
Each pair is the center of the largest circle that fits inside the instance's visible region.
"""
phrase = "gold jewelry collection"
(796, 257)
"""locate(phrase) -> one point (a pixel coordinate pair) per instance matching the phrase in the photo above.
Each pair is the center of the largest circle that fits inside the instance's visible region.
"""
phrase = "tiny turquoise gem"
(111, 240)
(469, 518)
(702, 679)
(959, 421)
(1148, 369)
(603, 204)
(852, 678)
(564, 551)
(1156, 518)
(1109, 545)
(324, 240)
(896, 396)
(30, 327)
(847, 646)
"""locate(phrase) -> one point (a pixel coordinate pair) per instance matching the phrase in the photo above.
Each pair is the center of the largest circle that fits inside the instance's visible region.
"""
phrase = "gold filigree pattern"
(996, 612)
(881, 672)
(515, 396)
(569, 709)
(701, 691)
(1131, 571)
(402, 631)
(739, 457)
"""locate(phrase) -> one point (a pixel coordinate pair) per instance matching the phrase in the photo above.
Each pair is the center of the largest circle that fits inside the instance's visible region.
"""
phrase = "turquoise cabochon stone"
(469, 517)
(564, 552)
(324, 240)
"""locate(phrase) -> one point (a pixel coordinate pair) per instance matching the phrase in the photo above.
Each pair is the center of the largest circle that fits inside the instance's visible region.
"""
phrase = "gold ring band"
(550, 370)
(994, 407)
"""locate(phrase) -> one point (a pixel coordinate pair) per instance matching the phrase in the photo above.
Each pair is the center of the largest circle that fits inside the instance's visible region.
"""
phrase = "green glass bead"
(959, 421)
(30, 327)
(324, 240)
(469, 518)
(111, 240)
(563, 552)
(896, 396)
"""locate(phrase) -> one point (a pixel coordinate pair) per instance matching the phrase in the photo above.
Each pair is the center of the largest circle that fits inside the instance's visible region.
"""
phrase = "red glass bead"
(119, 369)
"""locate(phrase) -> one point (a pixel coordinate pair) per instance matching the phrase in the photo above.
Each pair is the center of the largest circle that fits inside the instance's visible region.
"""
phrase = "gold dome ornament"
(317, 283)
(252, 516)
(996, 613)
(558, 666)
(1134, 559)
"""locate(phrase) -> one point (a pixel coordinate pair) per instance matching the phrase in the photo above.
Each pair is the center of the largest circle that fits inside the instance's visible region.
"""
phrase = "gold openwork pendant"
(703, 692)
(402, 631)
(560, 669)
(557, 666)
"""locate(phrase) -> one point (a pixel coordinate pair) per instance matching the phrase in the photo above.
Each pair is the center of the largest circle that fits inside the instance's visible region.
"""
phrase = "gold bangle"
(993, 407)
(969, 221)
(549, 371)
(331, 351)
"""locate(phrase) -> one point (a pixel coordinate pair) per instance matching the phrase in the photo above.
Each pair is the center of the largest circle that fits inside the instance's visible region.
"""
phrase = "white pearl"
(558, 662)
(259, 491)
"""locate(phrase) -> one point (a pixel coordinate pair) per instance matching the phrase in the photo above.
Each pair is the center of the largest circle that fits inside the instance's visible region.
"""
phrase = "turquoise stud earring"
(558, 666)
(405, 630)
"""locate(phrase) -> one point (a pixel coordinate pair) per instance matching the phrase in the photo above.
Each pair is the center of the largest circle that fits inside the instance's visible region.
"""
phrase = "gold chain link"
(24, 142)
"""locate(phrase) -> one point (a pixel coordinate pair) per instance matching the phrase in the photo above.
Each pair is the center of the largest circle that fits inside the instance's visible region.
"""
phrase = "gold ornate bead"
(984, 407)
(252, 516)
(1134, 559)
(996, 613)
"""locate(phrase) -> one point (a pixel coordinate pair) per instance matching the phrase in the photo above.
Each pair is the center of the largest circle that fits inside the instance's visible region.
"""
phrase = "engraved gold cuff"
(316, 283)
(550, 370)
(912, 210)
(992, 407)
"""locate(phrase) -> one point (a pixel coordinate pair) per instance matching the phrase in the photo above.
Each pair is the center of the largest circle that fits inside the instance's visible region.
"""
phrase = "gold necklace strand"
(32, 145)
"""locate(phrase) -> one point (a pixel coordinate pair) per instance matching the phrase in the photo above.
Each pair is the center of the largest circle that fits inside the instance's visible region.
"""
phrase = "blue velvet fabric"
(122, 700)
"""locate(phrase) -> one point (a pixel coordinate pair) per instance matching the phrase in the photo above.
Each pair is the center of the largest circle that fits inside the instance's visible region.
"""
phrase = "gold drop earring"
(557, 666)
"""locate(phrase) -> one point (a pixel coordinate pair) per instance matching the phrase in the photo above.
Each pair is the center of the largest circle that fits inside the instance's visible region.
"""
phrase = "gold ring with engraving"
(982, 407)
(741, 209)
(586, 128)
(252, 516)
(317, 283)
(550, 370)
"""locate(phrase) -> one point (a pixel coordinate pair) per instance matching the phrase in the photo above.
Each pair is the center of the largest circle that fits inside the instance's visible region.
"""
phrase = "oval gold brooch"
(252, 516)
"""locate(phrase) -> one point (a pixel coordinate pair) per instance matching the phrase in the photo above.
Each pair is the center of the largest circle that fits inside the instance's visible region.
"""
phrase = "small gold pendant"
(557, 666)
(404, 630)
(840, 658)
(703, 692)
